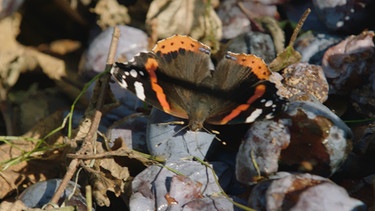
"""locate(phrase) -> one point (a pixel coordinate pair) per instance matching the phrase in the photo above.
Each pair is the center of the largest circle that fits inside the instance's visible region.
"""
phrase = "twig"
(144, 158)
(298, 27)
(113, 46)
(89, 198)
(96, 102)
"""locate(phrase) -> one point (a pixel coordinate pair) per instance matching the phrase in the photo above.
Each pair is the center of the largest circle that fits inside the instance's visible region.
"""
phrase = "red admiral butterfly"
(178, 77)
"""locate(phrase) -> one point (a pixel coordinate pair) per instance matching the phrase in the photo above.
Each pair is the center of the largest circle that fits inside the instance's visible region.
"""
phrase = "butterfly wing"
(167, 77)
(248, 93)
(176, 77)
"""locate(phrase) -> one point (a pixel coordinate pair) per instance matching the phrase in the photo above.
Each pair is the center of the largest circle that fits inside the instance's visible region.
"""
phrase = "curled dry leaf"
(287, 57)
(10, 51)
(54, 68)
(15, 58)
(17, 205)
(61, 47)
(14, 175)
(111, 13)
(196, 18)
(271, 25)
(110, 176)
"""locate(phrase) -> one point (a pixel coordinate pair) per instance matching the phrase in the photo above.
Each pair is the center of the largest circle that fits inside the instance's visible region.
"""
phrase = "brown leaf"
(195, 18)
(287, 57)
(31, 171)
(15, 206)
(110, 176)
(115, 169)
(15, 58)
(54, 68)
(61, 47)
(111, 13)
(9, 52)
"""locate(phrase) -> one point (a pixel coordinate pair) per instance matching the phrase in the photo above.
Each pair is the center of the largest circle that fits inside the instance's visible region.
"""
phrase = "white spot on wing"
(123, 84)
(268, 103)
(113, 69)
(139, 90)
(131, 60)
(141, 73)
(133, 73)
(269, 116)
(126, 73)
(255, 114)
(339, 23)
(211, 65)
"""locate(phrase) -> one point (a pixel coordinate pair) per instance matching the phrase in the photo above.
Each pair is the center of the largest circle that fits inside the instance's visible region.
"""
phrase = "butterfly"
(178, 77)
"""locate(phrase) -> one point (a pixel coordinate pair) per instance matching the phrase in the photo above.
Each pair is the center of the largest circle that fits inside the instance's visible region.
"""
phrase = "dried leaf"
(115, 169)
(287, 57)
(111, 176)
(272, 26)
(61, 47)
(111, 13)
(54, 68)
(9, 52)
(15, 206)
(14, 175)
(15, 58)
(196, 18)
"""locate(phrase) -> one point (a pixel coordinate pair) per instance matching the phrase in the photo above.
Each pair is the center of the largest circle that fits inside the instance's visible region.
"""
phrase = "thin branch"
(144, 158)
(96, 102)
(298, 27)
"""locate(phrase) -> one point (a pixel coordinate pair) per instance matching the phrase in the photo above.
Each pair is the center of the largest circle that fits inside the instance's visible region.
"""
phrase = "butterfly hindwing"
(244, 78)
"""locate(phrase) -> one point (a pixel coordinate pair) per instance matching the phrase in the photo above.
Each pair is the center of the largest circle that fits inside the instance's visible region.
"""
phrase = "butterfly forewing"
(140, 77)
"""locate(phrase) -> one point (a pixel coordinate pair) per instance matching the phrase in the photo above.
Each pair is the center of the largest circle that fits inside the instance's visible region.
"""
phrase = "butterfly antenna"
(172, 123)
(215, 132)
(181, 129)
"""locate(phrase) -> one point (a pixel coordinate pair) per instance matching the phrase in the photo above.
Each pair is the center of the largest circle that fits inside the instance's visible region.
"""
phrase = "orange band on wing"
(257, 65)
(259, 91)
(151, 66)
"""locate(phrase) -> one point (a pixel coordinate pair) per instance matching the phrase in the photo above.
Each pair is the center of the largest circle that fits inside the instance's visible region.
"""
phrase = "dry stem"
(97, 102)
